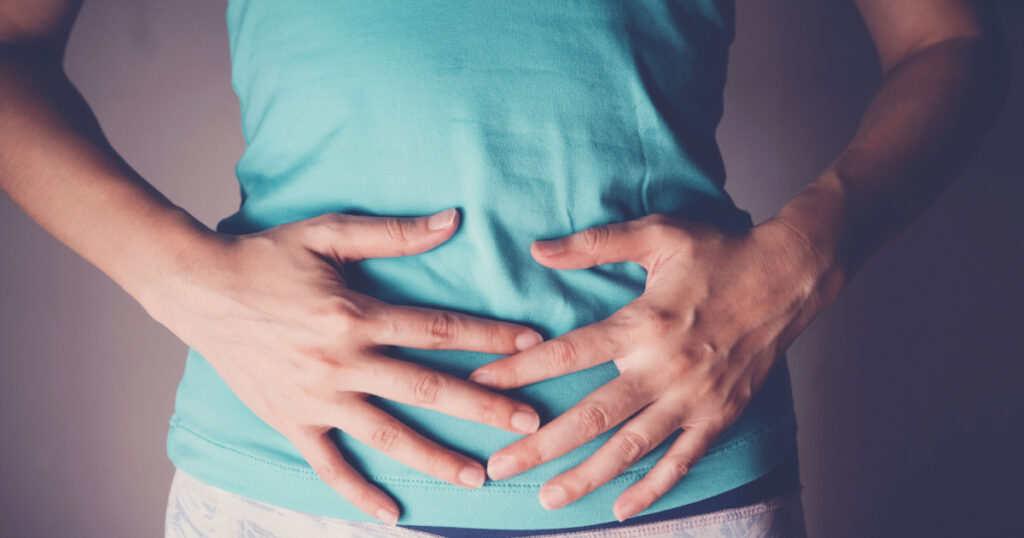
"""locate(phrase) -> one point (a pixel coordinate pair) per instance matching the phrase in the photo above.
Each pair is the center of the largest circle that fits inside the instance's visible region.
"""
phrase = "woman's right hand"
(271, 313)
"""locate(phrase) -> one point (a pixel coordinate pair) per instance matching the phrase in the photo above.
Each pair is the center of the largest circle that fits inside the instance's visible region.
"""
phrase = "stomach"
(534, 124)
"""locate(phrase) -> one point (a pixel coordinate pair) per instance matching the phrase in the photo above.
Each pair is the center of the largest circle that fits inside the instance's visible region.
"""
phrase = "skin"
(720, 307)
(270, 310)
(272, 314)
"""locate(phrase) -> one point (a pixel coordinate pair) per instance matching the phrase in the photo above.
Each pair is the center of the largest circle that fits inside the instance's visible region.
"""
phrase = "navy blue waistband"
(785, 477)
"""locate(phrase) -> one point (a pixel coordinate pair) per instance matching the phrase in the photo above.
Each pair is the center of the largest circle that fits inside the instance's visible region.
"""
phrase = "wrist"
(814, 220)
(182, 246)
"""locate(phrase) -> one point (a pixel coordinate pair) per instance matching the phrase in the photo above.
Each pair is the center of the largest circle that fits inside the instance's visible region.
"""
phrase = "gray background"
(907, 389)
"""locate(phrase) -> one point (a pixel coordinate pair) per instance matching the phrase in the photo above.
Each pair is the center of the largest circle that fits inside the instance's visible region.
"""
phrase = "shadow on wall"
(908, 388)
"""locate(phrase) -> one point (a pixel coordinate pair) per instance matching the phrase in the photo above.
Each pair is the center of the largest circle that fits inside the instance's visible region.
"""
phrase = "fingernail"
(472, 476)
(553, 497)
(387, 516)
(550, 247)
(527, 340)
(525, 421)
(627, 510)
(482, 378)
(501, 467)
(442, 220)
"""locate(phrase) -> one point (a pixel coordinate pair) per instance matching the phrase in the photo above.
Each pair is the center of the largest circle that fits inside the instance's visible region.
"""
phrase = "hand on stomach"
(272, 314)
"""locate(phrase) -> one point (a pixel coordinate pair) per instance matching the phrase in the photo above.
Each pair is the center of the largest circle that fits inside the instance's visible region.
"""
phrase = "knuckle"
(592, 420)
(487, 410)
(577, 483)
(328, 473)
(346, 315)
(659, 321)
(632, 446)
(427, 387)
(719, 421)
(679, 466)
(321, 364)
(498, 336)
(442, 465)
(530, 456)
(700, 349)
(562, 355)
(593, 239)
(740, 397)
(397, 228)
(707, 349)
(384, 437)
(444, 328)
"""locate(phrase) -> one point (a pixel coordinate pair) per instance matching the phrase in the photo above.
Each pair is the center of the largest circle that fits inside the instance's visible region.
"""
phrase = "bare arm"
(719, 308)
(56, 164)
(945, 79)
(265, 309)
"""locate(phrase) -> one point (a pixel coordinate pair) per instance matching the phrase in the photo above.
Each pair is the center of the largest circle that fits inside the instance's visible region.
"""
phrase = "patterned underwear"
(198, 510)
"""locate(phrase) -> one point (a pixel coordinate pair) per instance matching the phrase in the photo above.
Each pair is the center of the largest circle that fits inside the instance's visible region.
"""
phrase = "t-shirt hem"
(496, 505)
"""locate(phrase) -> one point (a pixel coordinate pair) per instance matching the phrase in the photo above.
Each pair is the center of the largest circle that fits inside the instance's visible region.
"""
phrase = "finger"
(427, 328)
(634, 440)
(600, 410)
(680, 457)
(322, 454)
(418, 385)
(634, 240)
(356, 237)
(575, 350)
(381, 431)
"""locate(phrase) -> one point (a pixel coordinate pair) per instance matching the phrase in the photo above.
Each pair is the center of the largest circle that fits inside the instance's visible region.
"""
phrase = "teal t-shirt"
(536, 118)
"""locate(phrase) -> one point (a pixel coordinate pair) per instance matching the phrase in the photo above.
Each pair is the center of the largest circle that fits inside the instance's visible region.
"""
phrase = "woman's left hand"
(717, 311)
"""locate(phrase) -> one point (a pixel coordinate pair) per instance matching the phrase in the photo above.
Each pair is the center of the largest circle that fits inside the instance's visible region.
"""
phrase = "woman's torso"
(536, 119)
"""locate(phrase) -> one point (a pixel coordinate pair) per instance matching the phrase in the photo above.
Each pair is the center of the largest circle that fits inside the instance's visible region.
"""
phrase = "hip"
(196, 509)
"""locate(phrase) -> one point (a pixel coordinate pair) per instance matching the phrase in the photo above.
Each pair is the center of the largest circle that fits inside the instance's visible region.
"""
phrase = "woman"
(355, 359)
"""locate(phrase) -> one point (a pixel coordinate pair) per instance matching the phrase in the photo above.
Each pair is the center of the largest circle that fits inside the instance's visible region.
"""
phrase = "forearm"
(58, 167)
(919, 130)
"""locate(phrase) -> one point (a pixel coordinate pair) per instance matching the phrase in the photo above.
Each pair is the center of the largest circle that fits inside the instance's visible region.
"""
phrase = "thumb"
(357, 237)
(633, 240)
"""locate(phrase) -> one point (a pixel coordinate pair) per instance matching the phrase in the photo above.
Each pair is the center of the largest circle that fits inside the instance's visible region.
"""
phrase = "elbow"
(982, 61)
(29, 67)
(30, 54)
